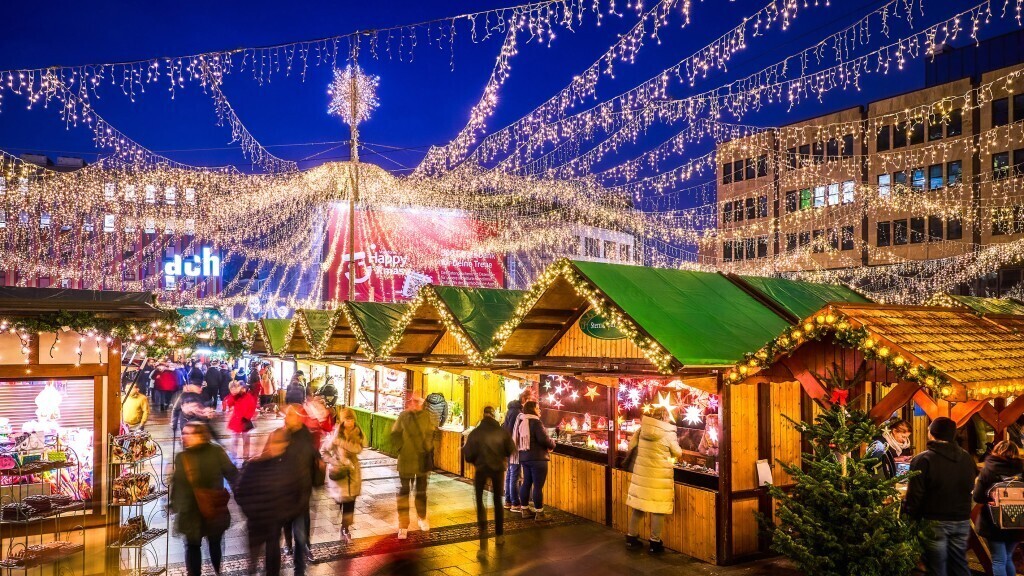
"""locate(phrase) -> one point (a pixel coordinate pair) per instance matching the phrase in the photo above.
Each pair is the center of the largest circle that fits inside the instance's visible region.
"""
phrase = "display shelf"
(141, 540)
(142, 460)
(19, 564)
(152, 496)
(39, 467)
(158, 571)
(73, 507)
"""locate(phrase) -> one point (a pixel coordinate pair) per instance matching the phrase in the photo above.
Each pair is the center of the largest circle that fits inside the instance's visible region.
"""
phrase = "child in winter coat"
(652, 488)
(345, 477)
(242, 408)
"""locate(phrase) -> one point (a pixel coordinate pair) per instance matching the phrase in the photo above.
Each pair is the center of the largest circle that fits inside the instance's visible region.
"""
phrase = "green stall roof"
(700, 318)
(377, 320)
(320, 323)
(801, 299)
(480, 311)
(277, 333)
(990, 305)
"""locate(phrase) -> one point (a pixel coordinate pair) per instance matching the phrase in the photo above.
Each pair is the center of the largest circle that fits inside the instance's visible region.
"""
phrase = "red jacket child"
(242, 406)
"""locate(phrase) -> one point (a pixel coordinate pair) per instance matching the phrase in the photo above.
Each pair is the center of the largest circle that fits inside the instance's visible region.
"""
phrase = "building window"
(791, 241)
(791, 157)
(611, 250)
(819, 245)
(1002, 221)
(805, 238)
(805, 155)
(727, 251)
(833, 194)
(762, 166)
(727, 173)
(727, 213)
(792, 201)
(1000, 165)
(1018, 162)
(624, 251)
(935, 127)
(762, 206)
(882, 139)
(592, 247)
(935, 177)
(819, 152)
(884, 185)
(899, 135)
(819, 196)
(751, 169)
(954, 173)
(954, 229)
(955, 123)
(848, 146)
(917, 230)
(934, 229)
(899, 232)
(1018, 107)
(848, 189)
(751, 248)
(832, 149)
(762, 247)
(917, 180)
(917, 133)
(108, 222)
(805, 199)
(900, 180)
(737, 171)
(1018, 219)
(751, 209)
(833, 240)
(1001, 112)
(109, 188)
(737, 211)
(847, 238)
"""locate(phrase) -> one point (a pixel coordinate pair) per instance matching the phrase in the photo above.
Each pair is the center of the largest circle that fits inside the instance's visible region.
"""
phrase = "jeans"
(657, 524)
(1002, 558)
(420, 482)
(534, 475)
(271, 542)
(300, 531)
(348, 514)
(497, 484)
(512, 485)
(194, 554)
(945, 552)
(165, 399)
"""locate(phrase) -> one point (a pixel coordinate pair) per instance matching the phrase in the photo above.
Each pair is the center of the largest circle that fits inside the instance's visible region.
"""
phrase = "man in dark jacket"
(941, 493)
(515, 408)
(264, 493)
(488, 448)
(303, 460)
(211, 386)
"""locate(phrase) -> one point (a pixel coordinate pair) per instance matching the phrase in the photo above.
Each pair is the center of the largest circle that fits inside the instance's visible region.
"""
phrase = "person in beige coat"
(652, 488)
(343, 453)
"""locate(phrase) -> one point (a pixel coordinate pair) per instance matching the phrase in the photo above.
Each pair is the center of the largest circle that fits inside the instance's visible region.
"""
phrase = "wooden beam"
(810, 383)
(1011, 413)
(930, 407)
(896, 398)
(989, 414)
(962, 412)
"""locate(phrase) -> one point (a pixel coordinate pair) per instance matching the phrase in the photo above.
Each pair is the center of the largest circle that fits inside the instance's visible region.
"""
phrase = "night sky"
(423, 102)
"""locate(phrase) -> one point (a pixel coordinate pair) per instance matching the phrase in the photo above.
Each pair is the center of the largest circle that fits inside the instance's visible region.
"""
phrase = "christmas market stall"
(608, 343)
(887, 360)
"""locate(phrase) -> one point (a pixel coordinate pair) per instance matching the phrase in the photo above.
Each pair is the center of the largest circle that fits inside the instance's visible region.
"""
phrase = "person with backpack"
(651, 486)
(198, 497)
(1002, 464)
(488, 448)
(534, 447)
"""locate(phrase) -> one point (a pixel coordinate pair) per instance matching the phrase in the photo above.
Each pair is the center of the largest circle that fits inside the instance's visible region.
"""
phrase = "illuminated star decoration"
(551, 398)
(574, 395)
(665, 401)
(592, 393)
(557, 403)
(547, 384)
(352, 85)
(713, 434)
(692, 415)
(646, 408)
(632, 397)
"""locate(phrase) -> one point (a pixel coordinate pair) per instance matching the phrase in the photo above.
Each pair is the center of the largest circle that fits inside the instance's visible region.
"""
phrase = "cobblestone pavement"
(566, 545)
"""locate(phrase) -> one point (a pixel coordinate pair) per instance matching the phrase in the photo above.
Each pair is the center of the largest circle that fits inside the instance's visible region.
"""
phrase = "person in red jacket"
(242, 408)
(165, 382)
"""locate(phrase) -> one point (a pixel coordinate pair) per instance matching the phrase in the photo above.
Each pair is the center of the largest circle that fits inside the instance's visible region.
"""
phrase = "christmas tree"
(842, 518)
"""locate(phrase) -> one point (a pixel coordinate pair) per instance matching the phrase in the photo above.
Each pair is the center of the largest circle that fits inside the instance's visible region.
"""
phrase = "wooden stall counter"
(448, 452)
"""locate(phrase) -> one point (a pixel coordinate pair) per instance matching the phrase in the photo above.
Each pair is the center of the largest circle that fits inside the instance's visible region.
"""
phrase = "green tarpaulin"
(377, 320)
(277, 332)
(801, 299)
(701, 318)
(990, 305)
(320, 323)
(480, 311)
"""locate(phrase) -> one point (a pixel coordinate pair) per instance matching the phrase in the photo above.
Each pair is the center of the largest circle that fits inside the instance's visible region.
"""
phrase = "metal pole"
(353, 196)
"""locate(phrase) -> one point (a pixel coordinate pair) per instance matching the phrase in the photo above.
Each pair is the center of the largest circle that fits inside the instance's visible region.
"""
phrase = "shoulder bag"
(212, 502)
(1007, 504)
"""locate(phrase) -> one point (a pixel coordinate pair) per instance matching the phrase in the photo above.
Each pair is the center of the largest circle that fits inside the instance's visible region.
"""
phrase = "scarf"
(522, 433)
(893, 443)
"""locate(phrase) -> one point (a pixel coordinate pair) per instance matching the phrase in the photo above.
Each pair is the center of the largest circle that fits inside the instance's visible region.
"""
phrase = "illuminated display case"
(576, 412)
(694, 411)
(365, 387)
(391, 393)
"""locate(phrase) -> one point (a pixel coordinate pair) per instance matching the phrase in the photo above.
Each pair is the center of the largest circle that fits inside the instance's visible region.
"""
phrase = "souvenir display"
(39, 554)
(577, 410)
(391, 394)
(131, 488)
(132, 528)
(133, 447)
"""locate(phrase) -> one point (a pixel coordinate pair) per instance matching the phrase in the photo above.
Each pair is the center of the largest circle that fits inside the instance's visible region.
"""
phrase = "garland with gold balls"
(317, 348)
(563, 268)
(848, 336)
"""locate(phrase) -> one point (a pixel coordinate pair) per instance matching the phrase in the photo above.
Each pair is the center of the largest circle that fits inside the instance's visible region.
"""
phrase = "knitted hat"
(943, 428)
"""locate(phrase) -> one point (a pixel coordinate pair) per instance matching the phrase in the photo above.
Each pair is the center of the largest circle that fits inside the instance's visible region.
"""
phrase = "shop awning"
(479, 312)
(15, 301)
(987, 305)
(700, 318)
(373, 322)
(276, 333)
(801, 299)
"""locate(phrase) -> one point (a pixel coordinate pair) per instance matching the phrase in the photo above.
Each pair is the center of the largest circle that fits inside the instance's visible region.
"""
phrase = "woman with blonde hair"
(1002, 464)
(345, 477)
(651, 487)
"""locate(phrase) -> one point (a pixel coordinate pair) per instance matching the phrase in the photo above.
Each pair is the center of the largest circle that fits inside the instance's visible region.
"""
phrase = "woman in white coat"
(344, 472)
(652, 488)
